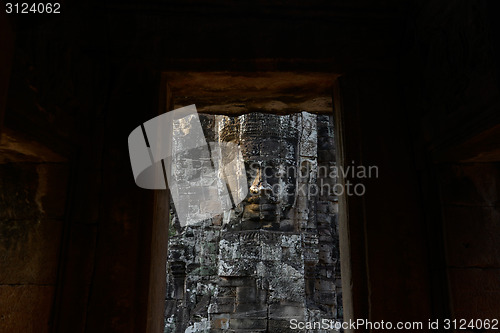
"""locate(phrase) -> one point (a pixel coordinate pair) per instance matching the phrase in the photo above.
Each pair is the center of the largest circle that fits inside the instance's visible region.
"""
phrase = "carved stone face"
(269, 147)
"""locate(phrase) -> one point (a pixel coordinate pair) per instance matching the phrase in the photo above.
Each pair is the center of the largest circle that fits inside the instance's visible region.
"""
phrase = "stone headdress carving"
(253, 126)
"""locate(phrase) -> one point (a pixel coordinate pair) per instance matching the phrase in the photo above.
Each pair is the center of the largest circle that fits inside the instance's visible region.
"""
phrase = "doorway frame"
(351, 216)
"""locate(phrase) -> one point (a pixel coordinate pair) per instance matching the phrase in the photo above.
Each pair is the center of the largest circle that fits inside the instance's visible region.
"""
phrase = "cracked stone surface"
(274, 256)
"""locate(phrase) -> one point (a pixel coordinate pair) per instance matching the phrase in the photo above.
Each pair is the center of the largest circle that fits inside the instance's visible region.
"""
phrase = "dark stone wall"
(454, 102)
(450, 72)
(470, 194)
(33, 196)
(421, 87)
(381, 232)
(68, 98)
(7, 46)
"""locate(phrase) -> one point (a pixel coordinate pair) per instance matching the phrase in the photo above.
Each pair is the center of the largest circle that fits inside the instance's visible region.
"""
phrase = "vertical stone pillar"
(272, 253)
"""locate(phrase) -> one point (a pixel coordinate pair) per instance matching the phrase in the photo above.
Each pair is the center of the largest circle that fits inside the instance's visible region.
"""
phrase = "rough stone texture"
(33, 186)
(273, 257)
(470, 193)
(83, 79)
(25, 308)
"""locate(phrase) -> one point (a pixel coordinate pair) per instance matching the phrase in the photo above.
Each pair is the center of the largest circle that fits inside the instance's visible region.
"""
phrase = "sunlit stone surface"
(274, 256)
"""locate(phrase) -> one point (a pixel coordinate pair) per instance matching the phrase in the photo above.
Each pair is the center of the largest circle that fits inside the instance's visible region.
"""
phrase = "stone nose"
(260, 185)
